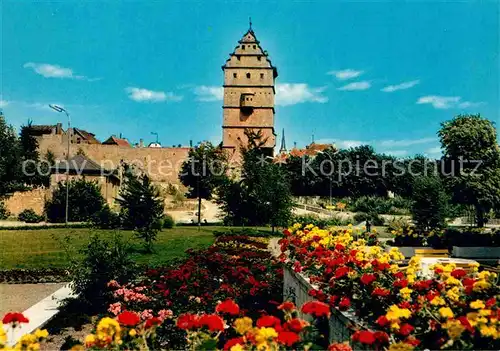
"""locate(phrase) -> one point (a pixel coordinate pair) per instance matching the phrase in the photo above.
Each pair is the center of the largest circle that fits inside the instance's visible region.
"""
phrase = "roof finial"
(283, 146)
(250, 22)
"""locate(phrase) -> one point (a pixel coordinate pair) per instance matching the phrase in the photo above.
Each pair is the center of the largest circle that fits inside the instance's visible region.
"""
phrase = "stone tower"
(248, 95)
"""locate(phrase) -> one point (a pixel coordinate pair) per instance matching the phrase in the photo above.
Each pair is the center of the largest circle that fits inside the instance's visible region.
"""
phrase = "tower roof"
(283, 145)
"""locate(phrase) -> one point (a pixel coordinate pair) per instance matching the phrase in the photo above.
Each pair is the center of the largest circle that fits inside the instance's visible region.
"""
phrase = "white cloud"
(145, 95)
(401, 86)
(3, 103)
(356, 86)
(55, 71)
(434, 151)
(446, 102)
(342, 144)
(406, 142)
(346, 74)
(209, 93)
(296, 93)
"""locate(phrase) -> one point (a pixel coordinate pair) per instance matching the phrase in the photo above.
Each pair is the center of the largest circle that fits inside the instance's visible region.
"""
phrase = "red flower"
(340, 272)
(268, 321)
(381, 337)
(212, 321)
(466, 324)
(152, 322)
(491, 302)
(381, 292)
(368, 278)
(399, 275)
(364, 337)
(128, 318)
(405, 329)
(412, 341)
(404, 304)
(316, 308)
(287, 306)
(187, 321)
(339, 247)
(288, 338)
(339, 347)
(296, 325)
(229, 307)
(431, 295)
(14, 317)
(233, 342)
(382, 321)
(344, 303)
(401, 283)
(286, 232)
(458, 273)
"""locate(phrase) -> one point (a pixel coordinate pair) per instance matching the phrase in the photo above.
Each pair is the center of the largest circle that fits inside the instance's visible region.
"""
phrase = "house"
(113, 140)
(81, 136)
(80, 166)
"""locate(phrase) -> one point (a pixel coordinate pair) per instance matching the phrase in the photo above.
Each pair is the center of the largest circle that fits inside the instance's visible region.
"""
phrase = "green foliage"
(320, 222)
(430, 203)
(204, 170)
(85, 200)
(4, 213)
(373, 217)
(102, 261)
(10, 157)
(106, 218)
(141, 207)
(262, 195)
(381, 205)
(252, 232)
(168, 221)
(30, 216)
(472, 159)
(398, 224)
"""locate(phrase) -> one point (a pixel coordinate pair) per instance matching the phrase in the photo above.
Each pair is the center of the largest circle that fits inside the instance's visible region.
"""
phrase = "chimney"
(59, 128)
(141, 142)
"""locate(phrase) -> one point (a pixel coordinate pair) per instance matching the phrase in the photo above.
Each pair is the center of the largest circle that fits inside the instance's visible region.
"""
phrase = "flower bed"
(454, 310)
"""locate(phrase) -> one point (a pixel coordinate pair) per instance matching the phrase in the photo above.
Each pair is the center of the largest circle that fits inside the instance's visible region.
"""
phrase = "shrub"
(106, 218)
(4, 213)
(373, 217)
(168, 221)
(430, 203)
(320, 222)
(102, 262)
(251, 232)
(85, 200)
(30, 216)
(380, 205)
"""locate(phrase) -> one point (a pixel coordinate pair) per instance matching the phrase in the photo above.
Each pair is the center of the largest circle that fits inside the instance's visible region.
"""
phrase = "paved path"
(19, 297)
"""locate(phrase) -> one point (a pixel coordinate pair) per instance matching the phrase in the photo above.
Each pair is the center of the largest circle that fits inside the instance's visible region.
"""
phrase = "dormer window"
(262, 76)
(235, 75)
(255, 46)
(242, 47)
(248, 75)
(238, 58)
(258, 58)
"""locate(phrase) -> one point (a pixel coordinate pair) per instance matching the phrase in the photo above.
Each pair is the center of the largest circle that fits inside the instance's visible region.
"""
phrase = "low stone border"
(39, 314)
(34, 276)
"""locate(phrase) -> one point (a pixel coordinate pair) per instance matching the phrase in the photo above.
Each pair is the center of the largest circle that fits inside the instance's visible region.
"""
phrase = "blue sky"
(384, 73)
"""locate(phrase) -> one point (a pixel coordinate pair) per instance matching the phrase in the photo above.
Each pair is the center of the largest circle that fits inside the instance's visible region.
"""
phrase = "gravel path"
(19, 297)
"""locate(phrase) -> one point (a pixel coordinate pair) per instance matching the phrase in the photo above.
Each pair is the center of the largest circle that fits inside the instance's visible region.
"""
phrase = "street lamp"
(155, 133)
(60, 109)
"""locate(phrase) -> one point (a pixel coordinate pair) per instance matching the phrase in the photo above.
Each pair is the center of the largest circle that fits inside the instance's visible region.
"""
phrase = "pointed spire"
(283, 146)
(250, 23)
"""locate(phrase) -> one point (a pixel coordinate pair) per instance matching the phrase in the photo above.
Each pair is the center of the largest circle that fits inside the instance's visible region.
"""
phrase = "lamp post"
(60, 109)
(155, 133)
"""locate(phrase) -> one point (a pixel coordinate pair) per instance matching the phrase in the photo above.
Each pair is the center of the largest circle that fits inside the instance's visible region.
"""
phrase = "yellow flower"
(242, 325)
(132, 332)
(406, 293)
(264, 334)
(90, 340)
(41, 334)
(400, 346)
(453, 294)
(395, 313)
(3, 335)
(454, 329)
(477, 305)
(489, 331)
(236, 347)
(481, 285)
(395, 325)
(484, 312)
(438, 301)
(77, 347)
(452, 281)
(446, 312)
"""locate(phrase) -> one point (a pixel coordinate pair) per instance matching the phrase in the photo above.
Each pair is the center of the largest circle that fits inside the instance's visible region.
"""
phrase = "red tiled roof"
(112, 140)
(87, 136)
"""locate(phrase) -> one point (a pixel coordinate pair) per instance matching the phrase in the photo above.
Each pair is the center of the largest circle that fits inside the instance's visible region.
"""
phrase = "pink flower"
(146, 314)
(115, 308)
(164, 314)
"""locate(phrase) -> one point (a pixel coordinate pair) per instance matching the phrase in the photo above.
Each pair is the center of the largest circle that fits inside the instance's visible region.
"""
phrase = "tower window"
(262, 76)
(248, 75)
(235, 75)
(243, 47)
(258, 58)
(255, 46)
(238, 58)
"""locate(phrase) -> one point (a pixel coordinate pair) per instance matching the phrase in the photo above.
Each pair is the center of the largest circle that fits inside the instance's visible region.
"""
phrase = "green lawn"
(43, 248)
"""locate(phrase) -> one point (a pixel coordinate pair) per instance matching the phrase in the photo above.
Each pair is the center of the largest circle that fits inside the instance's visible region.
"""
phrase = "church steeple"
(283, 145)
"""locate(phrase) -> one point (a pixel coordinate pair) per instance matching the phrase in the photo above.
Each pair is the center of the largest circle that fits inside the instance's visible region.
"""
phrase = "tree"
(34, 173)
(141, 207)
(262, 194)
(203, 171)
(430, 203)
(10, 171)
(85, 200)
(472, 160)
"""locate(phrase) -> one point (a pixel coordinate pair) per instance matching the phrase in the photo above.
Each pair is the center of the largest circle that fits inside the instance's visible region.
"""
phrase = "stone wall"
(162, 164)
(34, 199)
